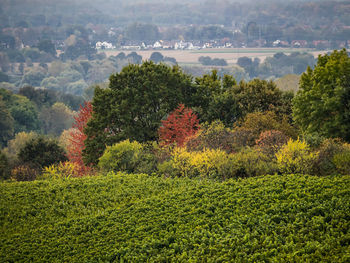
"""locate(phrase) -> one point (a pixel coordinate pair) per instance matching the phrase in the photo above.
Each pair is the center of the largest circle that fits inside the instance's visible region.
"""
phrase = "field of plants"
(140, 218)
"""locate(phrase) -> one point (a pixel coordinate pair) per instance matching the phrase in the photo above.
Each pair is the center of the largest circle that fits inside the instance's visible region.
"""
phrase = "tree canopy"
(134, 104)
(322, 104)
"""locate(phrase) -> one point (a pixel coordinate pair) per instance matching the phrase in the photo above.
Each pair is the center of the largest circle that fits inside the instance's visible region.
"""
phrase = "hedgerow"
(140, 218)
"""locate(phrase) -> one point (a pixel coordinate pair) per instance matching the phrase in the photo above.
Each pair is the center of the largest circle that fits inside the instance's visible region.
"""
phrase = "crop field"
(140, 218)
(230, 54)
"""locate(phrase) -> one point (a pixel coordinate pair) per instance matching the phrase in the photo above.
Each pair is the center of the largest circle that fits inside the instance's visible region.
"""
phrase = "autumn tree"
(77, 134)
(180, 124)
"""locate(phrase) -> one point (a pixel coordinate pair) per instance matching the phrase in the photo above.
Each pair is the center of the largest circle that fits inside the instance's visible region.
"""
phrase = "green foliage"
(324, 163)
(22, 110)
(259, 122)
(33, 77)
(47, 46)
(247, 163)
(140, 218)
(281, 64)
(123, 156)
(17, 143)
(259, 96)
(6, 124)
(56, 118)
(322, 104)
(208, 61)
(342, 161)
(156, 57)
(63, 170)
(137, 99)
(4, 166)
(295, 157)
(212, 136)
(213, 98)
(216, 163)
(40, 152)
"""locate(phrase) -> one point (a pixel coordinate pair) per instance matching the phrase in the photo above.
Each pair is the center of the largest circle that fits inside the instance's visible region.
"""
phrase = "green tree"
(33, 77)
(22, 110)
(47, 46)
(260, 95)
(156, 57)
(6, 124)
(40, 152)
(322, 104)
(213, 98)
(134, 104)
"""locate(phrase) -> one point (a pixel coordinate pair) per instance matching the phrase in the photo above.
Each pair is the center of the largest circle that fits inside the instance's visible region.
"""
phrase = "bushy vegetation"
(139, 218)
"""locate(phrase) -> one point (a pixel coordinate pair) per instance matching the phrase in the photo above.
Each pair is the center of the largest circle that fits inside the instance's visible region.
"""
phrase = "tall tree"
(133, 105)
(322, 104)
(77, 135)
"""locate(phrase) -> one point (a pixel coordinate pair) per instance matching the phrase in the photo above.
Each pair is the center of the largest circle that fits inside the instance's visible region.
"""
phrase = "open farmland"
(140, 218)
(229, 54)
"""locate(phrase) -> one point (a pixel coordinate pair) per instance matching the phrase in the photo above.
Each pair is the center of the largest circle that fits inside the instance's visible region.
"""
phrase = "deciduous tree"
(133, 105)
(77, 134)
(322, 104)
(180, 125)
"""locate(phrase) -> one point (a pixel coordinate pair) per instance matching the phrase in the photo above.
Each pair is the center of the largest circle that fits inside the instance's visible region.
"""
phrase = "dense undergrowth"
(140, 218)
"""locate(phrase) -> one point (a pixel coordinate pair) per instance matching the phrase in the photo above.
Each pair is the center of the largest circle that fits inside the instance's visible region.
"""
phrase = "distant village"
(221, 43)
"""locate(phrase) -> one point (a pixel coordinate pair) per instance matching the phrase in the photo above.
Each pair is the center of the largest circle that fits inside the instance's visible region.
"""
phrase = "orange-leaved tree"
(77, 136)
(180, 125)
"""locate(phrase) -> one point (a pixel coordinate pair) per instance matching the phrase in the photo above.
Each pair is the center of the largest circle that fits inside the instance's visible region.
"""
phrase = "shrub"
(212, 136)
(24, 173)
(207, 162)
(147, 159)
(259, 122)
(342, 160)
(40, 152)
(242, 138)
(247, 163)
(192, 164)
(63, 170)
(295, 157)
(181, 162)
(122, 156)
(271, 141)
(216, 163)
(324, 163)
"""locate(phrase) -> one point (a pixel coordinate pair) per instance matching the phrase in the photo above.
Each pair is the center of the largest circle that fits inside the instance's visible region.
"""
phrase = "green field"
(138, 218)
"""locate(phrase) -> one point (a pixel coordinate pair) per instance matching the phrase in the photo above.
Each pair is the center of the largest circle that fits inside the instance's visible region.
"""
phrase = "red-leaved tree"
(180, 125)
(77, 136)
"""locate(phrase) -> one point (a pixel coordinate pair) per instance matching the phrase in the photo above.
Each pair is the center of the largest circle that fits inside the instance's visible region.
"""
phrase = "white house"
(104, 45)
